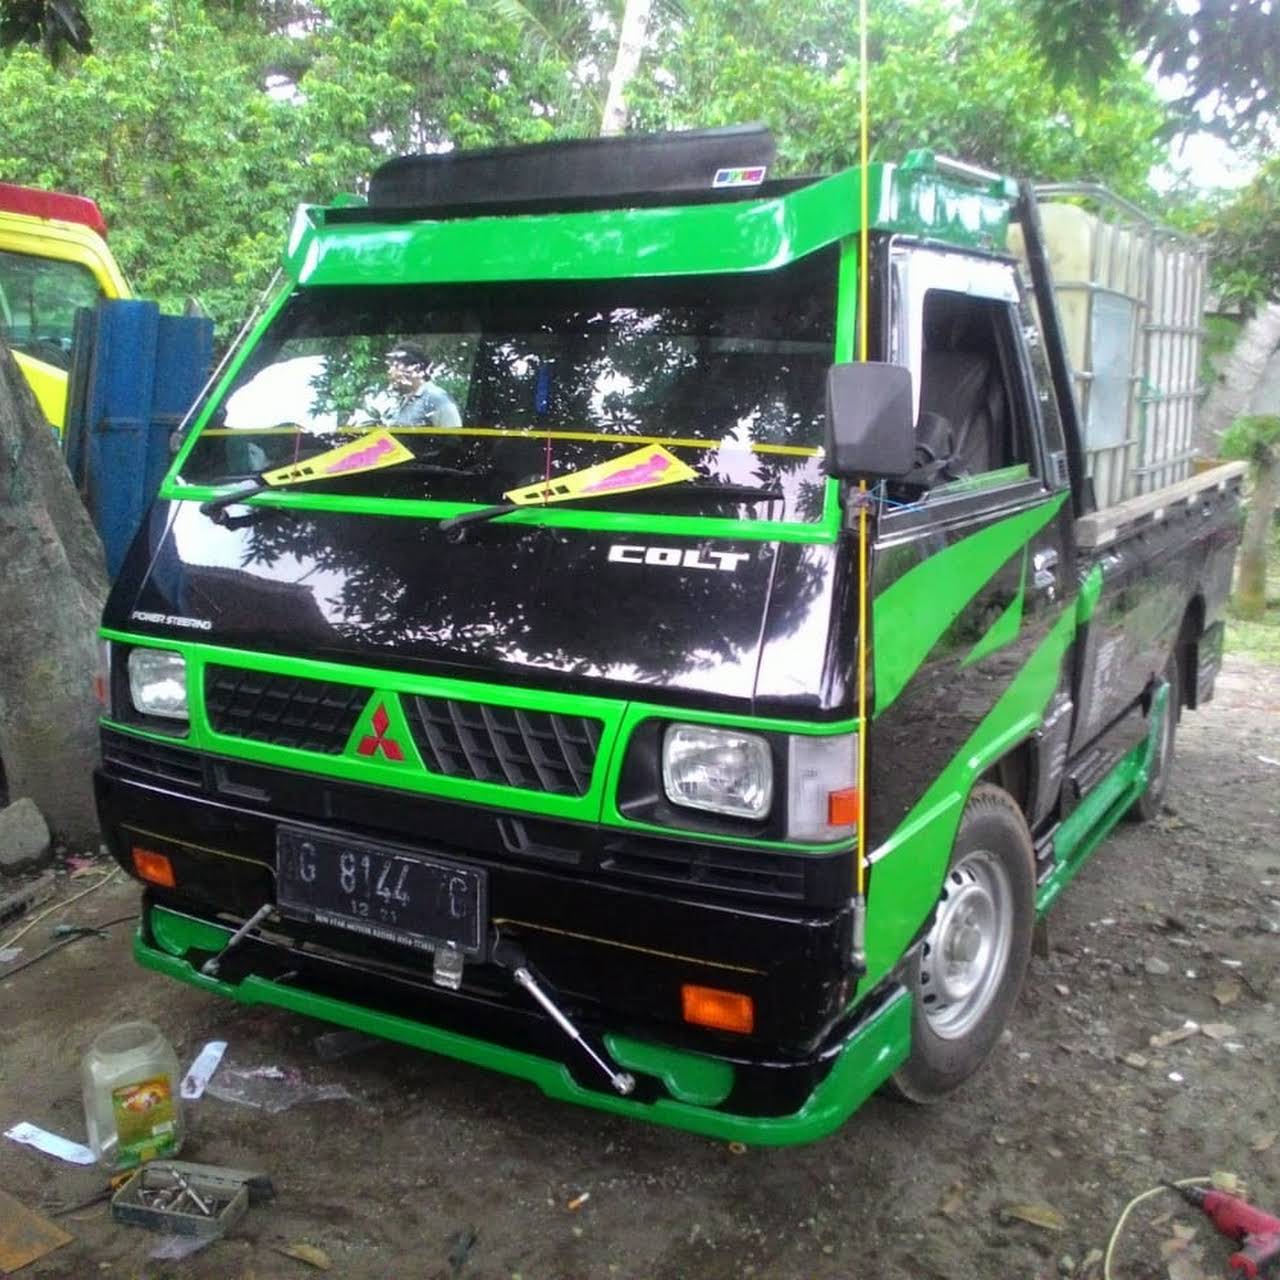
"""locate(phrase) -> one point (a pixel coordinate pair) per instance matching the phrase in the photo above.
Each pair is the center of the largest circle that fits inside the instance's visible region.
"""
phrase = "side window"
(972, 422)
(40, 298)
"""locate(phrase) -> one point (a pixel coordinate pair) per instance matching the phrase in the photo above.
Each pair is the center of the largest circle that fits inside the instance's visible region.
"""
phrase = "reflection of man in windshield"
(424, 403)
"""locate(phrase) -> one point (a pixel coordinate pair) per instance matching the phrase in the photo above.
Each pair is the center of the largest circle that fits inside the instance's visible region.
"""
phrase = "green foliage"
(962, 79)
(55, 25)
(1259, 637)
(1220, 335)
(171, 125)
(200, 124)
(1245, 240)
(1224, 54)
(1250, 437)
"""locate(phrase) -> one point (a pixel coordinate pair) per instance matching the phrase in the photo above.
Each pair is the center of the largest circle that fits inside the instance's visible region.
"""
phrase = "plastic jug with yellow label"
(132, 1107)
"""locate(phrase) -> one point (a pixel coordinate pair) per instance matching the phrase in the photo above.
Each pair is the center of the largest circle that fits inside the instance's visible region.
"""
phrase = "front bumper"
(677, 1088)
(612, 944)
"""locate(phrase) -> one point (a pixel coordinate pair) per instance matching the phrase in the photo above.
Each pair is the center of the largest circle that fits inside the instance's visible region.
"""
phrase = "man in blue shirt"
(425, 403)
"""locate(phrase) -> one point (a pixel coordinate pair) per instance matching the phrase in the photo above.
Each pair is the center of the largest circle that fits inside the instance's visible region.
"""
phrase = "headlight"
(158, 683)
(819, 768)
(720, 770)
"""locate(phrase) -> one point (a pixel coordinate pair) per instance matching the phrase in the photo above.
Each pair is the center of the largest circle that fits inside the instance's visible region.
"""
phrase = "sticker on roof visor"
(372, 451)
(646, 468)
(752, 177)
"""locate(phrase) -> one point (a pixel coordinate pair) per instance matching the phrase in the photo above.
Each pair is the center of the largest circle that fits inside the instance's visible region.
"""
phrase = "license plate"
(415, 901)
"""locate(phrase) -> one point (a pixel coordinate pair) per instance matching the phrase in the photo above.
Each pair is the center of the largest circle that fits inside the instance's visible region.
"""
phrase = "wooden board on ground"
(25, 1235)
(30, 895)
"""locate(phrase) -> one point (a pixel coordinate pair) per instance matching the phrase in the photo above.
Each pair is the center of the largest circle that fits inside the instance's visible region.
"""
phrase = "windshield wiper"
(454, 527)
(215, 506)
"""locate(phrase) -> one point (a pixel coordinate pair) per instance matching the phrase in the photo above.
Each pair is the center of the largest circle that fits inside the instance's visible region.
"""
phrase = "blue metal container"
(145, 371)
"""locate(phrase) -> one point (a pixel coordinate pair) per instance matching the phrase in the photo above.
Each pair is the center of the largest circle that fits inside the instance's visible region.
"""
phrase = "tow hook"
(214, 963)
(508, 956)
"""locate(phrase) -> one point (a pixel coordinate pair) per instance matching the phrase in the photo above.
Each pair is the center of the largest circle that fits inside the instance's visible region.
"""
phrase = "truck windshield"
(501, 385)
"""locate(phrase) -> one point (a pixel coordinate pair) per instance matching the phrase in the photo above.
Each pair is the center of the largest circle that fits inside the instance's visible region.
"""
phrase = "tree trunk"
(1251, 588)
(1229, 397)
(635, 22)
(52, 585)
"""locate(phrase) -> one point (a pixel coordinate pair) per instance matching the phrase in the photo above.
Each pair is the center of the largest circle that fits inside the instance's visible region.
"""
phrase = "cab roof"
(56, 205)
(644, 205)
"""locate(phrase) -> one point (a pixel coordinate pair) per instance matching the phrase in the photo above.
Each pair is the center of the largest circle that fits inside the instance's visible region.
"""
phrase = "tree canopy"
(1220, 58)
(55, 25)
(199, 124)
(1245, 235)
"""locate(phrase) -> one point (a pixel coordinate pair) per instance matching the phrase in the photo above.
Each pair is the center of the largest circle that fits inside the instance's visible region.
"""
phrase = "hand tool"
(1238, 1220)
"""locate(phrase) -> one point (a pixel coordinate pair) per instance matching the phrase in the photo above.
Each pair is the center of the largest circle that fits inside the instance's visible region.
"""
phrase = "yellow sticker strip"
(646, 468)
(593, 437)
(373, 451)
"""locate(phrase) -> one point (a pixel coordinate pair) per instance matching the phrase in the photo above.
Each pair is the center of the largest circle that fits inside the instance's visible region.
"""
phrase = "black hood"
(742, 625)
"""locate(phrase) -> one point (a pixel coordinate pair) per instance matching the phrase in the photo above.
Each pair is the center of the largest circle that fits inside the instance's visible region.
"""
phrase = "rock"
(1156, 967)
(1218, 1030)
(1067, 1265)
(1165, 1038)
(24, 838)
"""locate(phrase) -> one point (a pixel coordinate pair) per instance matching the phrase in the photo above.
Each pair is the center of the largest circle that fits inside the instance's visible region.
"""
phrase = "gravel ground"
(434, 1169)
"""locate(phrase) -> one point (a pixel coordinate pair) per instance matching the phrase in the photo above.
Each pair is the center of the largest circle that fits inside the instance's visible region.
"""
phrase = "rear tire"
(1148, 805)
(966, 974)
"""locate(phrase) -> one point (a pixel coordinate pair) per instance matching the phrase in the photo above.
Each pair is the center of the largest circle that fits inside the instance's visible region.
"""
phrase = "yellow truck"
(53, 259)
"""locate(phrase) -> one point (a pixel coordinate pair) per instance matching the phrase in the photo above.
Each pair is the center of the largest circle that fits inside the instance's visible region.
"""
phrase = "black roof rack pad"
(734, 161)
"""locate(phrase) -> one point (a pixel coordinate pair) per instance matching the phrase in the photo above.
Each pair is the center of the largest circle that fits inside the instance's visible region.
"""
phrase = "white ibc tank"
(1129, 297)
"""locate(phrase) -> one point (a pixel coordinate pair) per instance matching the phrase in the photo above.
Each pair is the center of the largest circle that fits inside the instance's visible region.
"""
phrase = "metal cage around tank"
(1130, 290)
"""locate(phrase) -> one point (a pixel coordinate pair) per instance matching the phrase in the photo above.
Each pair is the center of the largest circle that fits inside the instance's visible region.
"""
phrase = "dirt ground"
(435, 1169)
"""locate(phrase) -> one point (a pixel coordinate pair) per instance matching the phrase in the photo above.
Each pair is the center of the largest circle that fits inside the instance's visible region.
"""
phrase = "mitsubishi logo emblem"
(377, 741)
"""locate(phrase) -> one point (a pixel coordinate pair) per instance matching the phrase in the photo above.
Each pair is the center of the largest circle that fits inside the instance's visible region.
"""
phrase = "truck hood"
(742, 624)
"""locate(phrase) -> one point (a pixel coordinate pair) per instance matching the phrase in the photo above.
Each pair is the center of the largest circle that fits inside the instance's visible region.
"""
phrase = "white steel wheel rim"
(965, 954)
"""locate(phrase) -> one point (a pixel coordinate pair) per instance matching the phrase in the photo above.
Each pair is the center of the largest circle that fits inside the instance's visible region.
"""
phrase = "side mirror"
(870, 426)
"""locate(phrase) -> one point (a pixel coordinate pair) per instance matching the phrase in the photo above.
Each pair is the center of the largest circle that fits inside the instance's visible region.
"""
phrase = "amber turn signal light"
(154, 868)
(723, 1010)
(844, 807)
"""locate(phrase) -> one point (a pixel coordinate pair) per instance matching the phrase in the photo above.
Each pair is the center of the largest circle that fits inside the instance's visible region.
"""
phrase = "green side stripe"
(912, 614)
(1084, 828)
(1090, 590)
(902, 895)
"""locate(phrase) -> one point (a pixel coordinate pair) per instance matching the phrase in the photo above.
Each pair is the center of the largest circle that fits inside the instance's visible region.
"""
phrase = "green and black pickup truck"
(489, 674)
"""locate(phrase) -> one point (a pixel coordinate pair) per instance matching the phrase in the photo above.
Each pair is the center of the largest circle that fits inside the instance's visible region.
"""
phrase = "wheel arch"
(1016, 771)
(1187, 644)
(1013, 770)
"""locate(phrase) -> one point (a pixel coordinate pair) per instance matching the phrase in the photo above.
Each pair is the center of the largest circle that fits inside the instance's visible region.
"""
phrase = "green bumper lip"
(866, 1059)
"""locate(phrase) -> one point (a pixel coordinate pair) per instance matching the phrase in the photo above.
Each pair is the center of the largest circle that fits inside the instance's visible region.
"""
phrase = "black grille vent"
(706, 868)
(529, 749)
(311, 715)
(142, 755)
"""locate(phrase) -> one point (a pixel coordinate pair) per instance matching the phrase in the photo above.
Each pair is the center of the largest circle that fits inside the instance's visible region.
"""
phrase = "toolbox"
(184, 1198)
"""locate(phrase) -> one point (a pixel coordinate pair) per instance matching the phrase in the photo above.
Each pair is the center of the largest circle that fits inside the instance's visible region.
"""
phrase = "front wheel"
(967, 972)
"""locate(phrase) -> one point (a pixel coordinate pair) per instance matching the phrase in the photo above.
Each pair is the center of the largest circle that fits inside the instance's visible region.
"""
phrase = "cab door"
(972, 563)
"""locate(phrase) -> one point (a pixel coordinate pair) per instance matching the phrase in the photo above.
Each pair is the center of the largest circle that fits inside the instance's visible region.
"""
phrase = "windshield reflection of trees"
(734, 361)
(544, 597)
